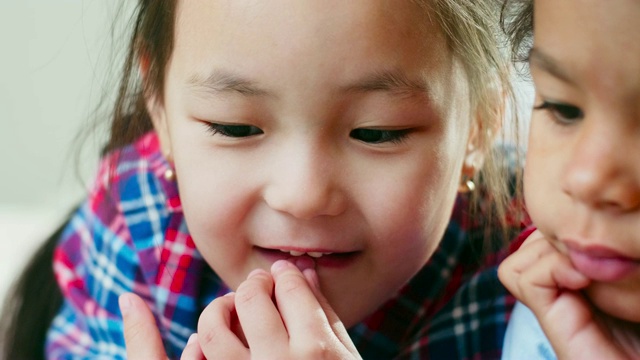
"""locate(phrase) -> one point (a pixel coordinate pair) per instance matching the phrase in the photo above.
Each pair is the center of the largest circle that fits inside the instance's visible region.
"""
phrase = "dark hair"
(32, 303)
(151, 40)
(517, 24)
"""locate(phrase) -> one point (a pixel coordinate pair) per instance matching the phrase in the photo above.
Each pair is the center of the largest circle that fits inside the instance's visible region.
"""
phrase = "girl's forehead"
(316, 56)
(326, 24)
(603, 55)
(336, 37)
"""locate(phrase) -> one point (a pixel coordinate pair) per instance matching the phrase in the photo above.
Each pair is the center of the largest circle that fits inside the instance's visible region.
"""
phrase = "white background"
(54, 61)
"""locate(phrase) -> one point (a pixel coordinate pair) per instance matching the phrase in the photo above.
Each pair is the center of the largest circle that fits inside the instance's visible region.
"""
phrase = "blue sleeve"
(524, 339)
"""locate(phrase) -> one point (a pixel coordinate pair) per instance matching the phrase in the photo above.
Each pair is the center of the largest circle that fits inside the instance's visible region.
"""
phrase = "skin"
(302, 326)
(305, 182)
(582, 159)
(313, 126)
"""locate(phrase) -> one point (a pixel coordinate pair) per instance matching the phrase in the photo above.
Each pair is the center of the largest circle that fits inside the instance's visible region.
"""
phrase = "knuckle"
(208, 336)
(247, 293)
(208, 332)
(290, 284)
(317, 350)
(134, 330)
(503, 273)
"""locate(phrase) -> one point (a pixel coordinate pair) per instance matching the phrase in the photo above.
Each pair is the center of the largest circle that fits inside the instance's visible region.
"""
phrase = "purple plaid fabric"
(130, 236)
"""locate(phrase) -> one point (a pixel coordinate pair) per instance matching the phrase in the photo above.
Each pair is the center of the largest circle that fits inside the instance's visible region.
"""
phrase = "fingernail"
(125, 303)
(192, 338)
(281, 265)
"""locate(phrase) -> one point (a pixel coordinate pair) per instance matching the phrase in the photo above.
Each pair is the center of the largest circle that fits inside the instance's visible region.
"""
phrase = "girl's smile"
(339, 143)
(319, 260)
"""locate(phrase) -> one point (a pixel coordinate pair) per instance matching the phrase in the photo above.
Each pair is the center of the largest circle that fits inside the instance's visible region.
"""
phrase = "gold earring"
(169, 174)
(466, 184)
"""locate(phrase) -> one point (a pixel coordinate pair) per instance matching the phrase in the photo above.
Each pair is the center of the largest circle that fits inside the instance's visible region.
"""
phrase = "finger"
(530, 253)
(192, 351)
(542, 284)
(216, 334)
(334, 321)
(259, 315)
(578, 335)
(141, 335)
(512, 268)
(308, 326)
(547, 288)
(553, 242)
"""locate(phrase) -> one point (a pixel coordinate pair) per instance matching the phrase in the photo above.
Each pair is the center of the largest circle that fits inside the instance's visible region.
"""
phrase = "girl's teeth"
(313, 254)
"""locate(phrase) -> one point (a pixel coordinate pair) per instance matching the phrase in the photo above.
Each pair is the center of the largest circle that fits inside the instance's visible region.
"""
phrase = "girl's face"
(582, 176)
(332, 129)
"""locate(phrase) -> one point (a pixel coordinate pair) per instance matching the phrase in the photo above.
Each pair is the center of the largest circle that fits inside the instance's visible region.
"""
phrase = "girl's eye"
(377, 136)
(564, 114)
(234, 131)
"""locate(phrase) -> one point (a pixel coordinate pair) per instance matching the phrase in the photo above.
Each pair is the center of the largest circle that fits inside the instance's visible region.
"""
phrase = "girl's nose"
(602, 171)
(306, 185)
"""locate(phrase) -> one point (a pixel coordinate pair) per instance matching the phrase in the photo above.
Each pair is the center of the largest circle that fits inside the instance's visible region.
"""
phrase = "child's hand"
(280, 315)
(546, 281)
(248, 323)
(141, 334)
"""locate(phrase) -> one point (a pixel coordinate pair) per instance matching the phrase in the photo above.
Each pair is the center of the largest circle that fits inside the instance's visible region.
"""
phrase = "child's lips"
(600, 263)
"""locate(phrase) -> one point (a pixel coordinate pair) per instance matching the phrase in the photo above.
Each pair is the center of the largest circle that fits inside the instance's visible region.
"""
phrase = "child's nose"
(602, 171)
(306, 185)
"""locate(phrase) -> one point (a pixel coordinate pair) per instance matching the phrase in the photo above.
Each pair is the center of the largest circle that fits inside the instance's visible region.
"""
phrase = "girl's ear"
(473, 159)
(158, 117)
(156, 110)
(480, 141)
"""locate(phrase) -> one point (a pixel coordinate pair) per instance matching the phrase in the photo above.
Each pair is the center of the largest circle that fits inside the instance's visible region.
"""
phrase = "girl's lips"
(600, 263)
(332, 260)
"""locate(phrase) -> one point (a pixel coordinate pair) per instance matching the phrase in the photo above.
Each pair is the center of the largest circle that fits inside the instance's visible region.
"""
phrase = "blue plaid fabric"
(130, 236)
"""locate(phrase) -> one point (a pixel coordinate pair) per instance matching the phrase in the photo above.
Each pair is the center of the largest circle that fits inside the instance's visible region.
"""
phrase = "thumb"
(141, 335)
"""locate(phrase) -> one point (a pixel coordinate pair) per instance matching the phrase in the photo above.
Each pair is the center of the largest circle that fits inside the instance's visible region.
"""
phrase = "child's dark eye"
(564, 114)
(377, 136)
(234, 131)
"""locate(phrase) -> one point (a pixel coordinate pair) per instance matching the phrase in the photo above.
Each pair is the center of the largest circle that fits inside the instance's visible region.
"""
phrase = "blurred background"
(54, 72)
(56, 62)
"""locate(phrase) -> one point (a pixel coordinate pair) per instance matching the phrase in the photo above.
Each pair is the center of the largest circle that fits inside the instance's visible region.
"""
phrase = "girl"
(580, 272)
(333, 135)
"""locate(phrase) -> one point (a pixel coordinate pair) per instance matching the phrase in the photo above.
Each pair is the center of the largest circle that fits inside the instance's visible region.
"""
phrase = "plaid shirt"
(131, 236)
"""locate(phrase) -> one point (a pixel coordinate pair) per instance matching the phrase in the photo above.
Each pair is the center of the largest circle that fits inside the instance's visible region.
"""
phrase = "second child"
(579, 273)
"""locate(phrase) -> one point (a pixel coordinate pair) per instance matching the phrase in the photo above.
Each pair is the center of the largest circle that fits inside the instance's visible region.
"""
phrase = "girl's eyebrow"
(219, 81)
(547, 63)
(392, 81)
